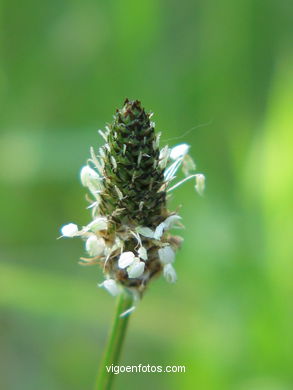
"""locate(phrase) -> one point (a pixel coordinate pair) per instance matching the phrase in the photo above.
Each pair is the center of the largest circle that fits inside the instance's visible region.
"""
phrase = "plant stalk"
(115, 343)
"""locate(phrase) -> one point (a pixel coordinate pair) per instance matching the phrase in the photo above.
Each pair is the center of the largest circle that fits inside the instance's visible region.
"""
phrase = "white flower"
(97, 224)
(166, 254)
(142, 253)
(136, 269)
(88, 176)
(95, 246)
(164, 157)
(145, 231)
(179, 151)
(169, 273)
(200, 183)
(111, 286)
(69, 230)
(125, 259)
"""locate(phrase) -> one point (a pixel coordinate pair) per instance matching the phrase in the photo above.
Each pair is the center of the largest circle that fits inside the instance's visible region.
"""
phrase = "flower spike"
(129, 177)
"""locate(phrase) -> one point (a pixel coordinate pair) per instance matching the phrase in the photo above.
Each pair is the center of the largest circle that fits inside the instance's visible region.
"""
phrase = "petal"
(95, 246)
(125, 259)
(136, 269)
(179, 151)
(111, 286)
(145, 231)
(170, 273)
(166, 254)
(69, 230)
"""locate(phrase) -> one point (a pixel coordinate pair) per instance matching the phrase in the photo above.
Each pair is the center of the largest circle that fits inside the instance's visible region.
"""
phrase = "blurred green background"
(218, 75)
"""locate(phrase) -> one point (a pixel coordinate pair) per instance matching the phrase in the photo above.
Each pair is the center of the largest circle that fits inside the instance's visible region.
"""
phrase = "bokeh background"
(217, 75)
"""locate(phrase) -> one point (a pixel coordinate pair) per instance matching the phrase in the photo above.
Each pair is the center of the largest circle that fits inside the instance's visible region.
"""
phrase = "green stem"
(115, 342)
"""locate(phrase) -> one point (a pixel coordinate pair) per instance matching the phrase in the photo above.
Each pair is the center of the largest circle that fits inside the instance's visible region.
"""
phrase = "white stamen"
(111, 286)
(181, 182)
(69, 230)
(106, 260)
(95, 246)
(136, 269)
(95, 207)
(170, 172)
(188, 165)
(170, 273)
(159, 231)
(179, 151)
(125, 259)
(166, 255)
(165, 225)
(100, 223)
(92, 205)
(137, 236)
(142, 253)
(170, 221)
(88, 176)
(127, 312)
(145, 231)
(200, 183)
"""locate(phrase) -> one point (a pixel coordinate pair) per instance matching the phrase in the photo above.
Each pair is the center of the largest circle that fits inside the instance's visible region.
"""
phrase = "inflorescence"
(129, 179)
